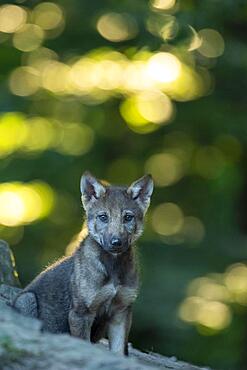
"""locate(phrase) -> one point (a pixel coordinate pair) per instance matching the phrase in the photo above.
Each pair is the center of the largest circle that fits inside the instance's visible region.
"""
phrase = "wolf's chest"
(111, 297)
(112, 285)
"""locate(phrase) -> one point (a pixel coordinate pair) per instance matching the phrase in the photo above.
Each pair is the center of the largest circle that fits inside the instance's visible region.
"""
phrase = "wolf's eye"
(103, 217)
(128, 217)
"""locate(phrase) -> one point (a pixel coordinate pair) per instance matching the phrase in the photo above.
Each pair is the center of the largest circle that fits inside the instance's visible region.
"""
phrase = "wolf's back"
(48, 297)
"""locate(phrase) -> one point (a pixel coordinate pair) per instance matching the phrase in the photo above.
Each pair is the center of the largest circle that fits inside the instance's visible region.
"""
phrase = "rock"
(8, 294)
(24, 346)
(8, 273)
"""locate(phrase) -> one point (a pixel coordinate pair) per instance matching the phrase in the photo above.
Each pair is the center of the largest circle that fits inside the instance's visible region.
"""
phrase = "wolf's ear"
(141, 191)
(91, 189)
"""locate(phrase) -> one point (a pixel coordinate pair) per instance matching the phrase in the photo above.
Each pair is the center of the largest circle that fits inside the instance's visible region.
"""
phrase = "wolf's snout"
(116, 242)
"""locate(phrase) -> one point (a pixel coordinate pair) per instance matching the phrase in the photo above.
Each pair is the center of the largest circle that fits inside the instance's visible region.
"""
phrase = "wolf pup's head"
(115, 214)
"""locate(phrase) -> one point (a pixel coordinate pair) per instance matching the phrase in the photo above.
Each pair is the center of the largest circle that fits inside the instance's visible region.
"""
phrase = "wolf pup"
(90, 293)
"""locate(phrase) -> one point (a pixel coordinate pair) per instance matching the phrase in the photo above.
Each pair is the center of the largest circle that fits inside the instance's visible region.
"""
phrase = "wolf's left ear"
(141, 191)
(91, 189)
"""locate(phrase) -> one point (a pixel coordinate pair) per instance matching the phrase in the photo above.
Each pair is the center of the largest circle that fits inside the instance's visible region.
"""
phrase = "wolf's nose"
(116, 242)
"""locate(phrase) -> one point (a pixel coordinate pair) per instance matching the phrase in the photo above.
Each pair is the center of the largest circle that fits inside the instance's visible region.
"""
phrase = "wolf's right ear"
(141, 191)
(91, 189)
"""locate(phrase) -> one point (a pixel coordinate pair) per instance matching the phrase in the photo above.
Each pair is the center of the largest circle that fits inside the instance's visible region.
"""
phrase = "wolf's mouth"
(115, 250)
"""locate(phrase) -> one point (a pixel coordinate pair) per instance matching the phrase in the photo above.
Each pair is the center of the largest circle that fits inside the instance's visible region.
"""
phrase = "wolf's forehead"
(116, 198)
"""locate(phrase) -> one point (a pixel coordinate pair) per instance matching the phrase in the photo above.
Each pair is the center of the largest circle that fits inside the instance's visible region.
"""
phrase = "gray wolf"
(90, 293)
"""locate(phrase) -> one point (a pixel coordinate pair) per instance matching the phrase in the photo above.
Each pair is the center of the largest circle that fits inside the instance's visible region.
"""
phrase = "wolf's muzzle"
(116, 242)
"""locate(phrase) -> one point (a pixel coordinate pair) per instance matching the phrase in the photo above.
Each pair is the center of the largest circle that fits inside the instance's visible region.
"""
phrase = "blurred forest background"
(121, 88)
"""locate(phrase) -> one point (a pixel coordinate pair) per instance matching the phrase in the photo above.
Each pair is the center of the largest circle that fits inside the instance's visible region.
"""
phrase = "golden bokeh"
(196, 40)
(212, 43)
(154, 107)
(47, 15)
(29, 37)
(145, 111)
(166, 168)
(40, 135)
(132, 116)
(164, 67)
(13, 133)
(108, 74)
(36, 134)
(55, 77)
(38, 57)
(213, 315)
(193, 230)
(24, 81)
(135, 78)
(189, 85)
(12, 18)
(24, 203)
(209, 289)
(169, 30)
(12, 208)
(236, 282)
(188, 310)
(209, 298)
(82, 75)
(77, 139)
(117, 27)
(167, 219)
(165, 27)
(191, 233)
(148, 81)
(163, 4)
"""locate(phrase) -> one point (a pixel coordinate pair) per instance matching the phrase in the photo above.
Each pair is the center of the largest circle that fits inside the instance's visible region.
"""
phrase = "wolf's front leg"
(80, 324)
(118, 331)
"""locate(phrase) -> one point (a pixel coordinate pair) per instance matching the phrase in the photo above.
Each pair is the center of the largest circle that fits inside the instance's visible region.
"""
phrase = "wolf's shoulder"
(55, 273)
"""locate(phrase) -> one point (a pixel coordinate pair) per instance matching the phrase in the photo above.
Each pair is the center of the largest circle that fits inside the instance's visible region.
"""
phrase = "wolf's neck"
(119, 268)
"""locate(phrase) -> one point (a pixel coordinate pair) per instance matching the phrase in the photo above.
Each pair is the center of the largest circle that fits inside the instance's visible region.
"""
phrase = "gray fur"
(90, 293)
